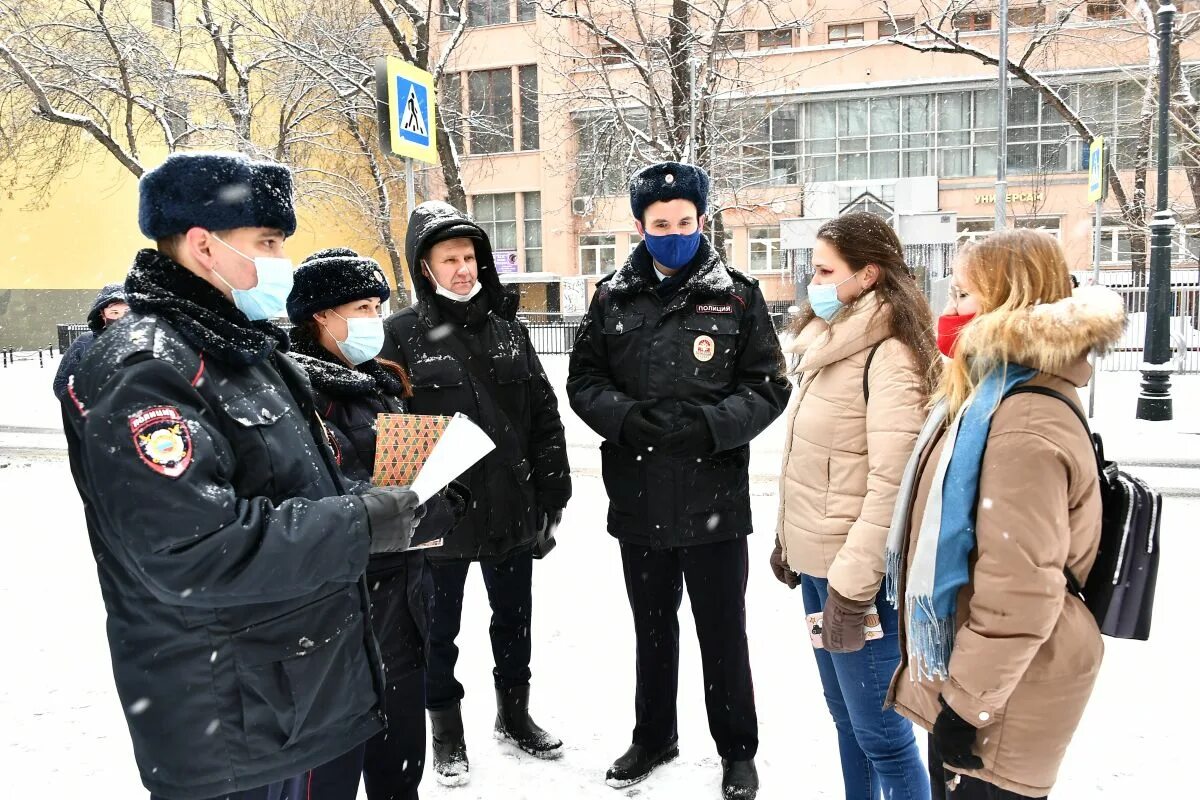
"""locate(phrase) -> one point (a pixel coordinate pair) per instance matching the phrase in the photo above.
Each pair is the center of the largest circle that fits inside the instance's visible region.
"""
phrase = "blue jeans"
(877, 747)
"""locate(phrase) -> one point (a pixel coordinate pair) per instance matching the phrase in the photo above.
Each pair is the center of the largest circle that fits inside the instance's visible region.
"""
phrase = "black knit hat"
(329, 278)
(669, 180)
(217, 192)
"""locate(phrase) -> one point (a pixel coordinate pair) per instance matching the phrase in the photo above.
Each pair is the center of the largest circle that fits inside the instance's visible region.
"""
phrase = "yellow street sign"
(406, 103)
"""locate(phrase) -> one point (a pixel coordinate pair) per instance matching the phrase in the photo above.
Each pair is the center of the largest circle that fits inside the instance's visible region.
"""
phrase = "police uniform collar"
(201, 314)
(331, 376)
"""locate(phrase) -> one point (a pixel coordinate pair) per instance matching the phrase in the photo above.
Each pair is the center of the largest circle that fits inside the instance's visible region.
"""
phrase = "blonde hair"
(1008, 271)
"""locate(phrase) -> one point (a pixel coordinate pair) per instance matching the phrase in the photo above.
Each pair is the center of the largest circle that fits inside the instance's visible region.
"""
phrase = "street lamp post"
(1154, 401)
(1002, 130)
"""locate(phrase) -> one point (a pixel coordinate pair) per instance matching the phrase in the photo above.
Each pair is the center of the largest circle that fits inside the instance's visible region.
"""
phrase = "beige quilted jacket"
(844, 457)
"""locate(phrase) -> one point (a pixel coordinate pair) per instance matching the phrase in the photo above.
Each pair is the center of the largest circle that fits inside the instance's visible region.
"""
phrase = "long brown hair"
(313, 331)
(1009, 271)
(862, 239)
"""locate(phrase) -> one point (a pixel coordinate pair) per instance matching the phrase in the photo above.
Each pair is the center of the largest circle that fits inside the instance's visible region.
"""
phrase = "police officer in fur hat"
(229, 548)
(678, 367)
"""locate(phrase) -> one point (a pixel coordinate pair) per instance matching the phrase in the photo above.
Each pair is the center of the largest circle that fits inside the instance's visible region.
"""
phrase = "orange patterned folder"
(402, 443)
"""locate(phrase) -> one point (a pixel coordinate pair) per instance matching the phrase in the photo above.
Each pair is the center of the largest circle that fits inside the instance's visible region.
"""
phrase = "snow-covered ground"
(63, 734)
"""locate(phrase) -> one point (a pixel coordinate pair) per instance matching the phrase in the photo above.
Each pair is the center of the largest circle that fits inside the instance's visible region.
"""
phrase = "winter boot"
(514, 725)
(449, 746)
(638, 762)
(740, 780)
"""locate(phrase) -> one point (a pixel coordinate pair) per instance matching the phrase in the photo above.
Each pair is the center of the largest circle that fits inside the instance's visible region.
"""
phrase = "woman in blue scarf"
(1000, 495)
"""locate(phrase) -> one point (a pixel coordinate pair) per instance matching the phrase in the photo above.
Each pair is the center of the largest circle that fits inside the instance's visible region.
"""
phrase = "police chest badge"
(703, 348)
(162, 439)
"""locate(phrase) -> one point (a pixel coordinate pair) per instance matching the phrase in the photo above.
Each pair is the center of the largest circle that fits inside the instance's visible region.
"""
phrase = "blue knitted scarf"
(941, 561)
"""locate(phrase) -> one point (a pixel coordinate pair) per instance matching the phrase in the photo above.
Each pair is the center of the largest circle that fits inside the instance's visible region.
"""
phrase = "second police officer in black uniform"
(678, 367)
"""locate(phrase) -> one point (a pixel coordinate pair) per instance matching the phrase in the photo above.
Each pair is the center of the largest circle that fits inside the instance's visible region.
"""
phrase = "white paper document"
(461, 445)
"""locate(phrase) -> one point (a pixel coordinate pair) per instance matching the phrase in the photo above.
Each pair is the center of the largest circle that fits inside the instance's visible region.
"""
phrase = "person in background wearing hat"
(467, 353)
(230, 553)
(678, 367)
(335, 306)
(108, 307)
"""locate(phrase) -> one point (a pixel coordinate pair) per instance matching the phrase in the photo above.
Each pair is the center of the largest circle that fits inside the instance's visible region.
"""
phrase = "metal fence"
(1127, 356)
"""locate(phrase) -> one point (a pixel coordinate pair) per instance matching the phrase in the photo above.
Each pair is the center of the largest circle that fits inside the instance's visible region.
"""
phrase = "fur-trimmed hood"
(1048, 337)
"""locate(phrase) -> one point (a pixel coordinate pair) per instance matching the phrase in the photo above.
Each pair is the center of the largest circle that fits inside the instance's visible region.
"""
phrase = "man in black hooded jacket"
(108, 307)
(466, 352)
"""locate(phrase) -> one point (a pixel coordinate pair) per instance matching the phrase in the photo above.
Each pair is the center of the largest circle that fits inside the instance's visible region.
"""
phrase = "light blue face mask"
(824, 299)
(268, 298)
(364, 338)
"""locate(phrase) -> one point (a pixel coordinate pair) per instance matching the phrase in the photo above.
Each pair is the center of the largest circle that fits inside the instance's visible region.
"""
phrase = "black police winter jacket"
(515, 405)
(711, 344)
(230, 561)
(349, 401)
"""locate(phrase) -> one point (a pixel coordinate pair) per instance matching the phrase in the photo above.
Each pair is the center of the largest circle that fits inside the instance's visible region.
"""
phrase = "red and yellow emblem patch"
(162, 439)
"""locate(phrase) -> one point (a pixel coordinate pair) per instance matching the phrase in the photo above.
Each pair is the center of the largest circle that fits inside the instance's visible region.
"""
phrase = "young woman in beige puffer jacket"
(867, 361)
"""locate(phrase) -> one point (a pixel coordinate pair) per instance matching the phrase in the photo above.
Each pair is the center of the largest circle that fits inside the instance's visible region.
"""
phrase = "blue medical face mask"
(675, 250)
(267, 299)
(364, 338)
(824, 299)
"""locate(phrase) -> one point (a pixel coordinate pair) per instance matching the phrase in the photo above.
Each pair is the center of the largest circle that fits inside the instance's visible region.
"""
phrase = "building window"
(903, 26)
(765, 255)
(450, 113)
(634, 241)
(1105, 10)
(1051, 225)
(526, 10)
(773, 154)
(527, 80)
(1116, 242)
(1026, 17)
(597, 254)
(490, 101)
(973, 21)
(729, 43)
(497, 215)
(162, 13)
(846, 32)
(972, 230)
(771, 39)
(532, 214)
(449, 14)
(481, 13)
(1037, 136)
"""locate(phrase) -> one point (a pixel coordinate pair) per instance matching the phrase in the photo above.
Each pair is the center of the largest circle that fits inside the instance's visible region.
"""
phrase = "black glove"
(393, 516)
(782, 571)
(458, 498)
(693, 440)
(953, 737)
(548, 520)
(843, 625)
(638, 429)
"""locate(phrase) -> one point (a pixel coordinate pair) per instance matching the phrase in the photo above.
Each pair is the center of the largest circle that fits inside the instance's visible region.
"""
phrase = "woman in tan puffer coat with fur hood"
(1000, 658)
(867, 353)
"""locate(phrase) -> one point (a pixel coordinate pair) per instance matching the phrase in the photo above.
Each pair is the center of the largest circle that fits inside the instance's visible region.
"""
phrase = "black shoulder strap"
(867, 371)
(1073, 584)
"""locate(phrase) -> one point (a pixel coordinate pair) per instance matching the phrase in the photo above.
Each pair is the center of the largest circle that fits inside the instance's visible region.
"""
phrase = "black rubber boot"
(514, 725)
(637, 763)
(740, 780)
(449, 746)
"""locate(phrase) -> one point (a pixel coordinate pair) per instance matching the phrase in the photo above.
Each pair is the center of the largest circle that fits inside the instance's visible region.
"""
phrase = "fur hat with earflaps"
(329, 278)
(217, 192)
(668, 181)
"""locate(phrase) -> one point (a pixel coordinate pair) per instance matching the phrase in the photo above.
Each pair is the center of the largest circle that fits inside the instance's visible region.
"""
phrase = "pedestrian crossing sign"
(406, 104)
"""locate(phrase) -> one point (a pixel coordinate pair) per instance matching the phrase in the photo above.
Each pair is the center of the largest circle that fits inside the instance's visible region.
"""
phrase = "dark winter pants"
(716, 576)
(291, 789)
(509, 588)
(966, 788)
(392, 761)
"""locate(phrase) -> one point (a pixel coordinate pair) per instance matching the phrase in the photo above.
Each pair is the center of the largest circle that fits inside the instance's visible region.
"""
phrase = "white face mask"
(446, 293)
(364, 338)
(268, 298)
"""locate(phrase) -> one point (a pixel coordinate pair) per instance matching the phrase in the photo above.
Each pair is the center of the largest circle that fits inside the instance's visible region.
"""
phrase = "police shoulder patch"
(162, 440)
